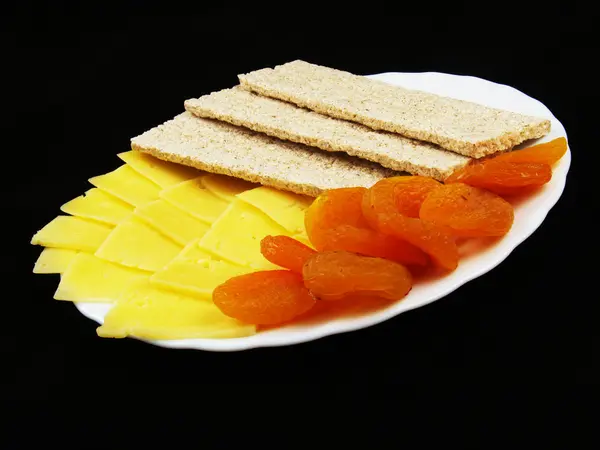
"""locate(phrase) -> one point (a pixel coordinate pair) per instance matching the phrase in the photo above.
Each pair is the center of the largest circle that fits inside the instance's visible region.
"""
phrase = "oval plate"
(529, 214)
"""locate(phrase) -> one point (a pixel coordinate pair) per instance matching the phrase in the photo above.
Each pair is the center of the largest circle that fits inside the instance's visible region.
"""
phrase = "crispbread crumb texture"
(287, 121)
(464, 127)
(222, 148)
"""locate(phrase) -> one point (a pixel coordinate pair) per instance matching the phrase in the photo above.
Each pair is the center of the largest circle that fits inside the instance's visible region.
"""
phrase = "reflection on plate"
(530, 212)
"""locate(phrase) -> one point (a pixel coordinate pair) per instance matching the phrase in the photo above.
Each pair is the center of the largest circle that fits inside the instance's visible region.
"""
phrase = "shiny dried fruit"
(503, 177)
(332, 208)
(468, 211)
(380, 210)
(546, 153)
(285, 252)
(338, 275)
(264, 298)
(335, 221)
(351, 306)
(368, 242)
(408, 192)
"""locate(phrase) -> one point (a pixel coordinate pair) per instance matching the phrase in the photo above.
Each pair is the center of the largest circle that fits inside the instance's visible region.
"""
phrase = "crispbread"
(222, 148)
(467, 128)
(286, 121)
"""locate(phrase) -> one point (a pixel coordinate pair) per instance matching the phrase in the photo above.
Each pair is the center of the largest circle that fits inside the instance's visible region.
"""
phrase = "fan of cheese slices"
(155, 238)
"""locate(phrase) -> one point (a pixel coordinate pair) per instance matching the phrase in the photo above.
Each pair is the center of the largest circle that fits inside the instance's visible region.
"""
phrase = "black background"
(79, 82)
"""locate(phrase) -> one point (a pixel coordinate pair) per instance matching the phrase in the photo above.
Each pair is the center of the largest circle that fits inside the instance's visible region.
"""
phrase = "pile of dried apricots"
(367, 241)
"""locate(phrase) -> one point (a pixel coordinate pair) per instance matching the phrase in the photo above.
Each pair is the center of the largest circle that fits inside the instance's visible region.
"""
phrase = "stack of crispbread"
(307, 128)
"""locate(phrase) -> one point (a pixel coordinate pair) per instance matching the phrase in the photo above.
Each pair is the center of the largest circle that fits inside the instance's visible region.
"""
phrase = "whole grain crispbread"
(287, 121)
(222, 148)
(464, 127)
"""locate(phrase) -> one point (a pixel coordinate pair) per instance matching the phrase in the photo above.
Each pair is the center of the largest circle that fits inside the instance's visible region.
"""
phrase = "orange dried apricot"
(379, 208)
(335, 221)
(332, 208)
(356, 306)
(546, 153)
(409, 192)
(339, 275)
(264, 298)
(468, 211)
(368, 242)
(503, 177)
(285, 252)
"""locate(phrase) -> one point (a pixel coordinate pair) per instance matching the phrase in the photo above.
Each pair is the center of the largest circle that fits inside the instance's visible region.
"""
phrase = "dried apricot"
(503, 177)
(264, 298)
(366, 241)
(546, 153)
(468, 211)
(332, 208)
(335, 222)
(285, 252)
(351, 306)
(410, 192)
(338, 275)
(379, 208)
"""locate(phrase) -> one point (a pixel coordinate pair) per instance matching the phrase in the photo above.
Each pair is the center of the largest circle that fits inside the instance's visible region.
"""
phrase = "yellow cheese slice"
(128, 185)
(236, 235)
(72, 233)
(225, 187)
(172, 221)
(145, 312)
(134, 244)
(194, 199)
(98, 205)
(163, 173)
(91, 279)
(285, 208)
(197, 278)
(54, 260)
(192, 253)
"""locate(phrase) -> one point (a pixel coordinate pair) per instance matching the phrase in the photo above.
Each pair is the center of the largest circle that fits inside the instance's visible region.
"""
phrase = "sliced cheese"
(98, 205)
(128, 185)
(91, 279)
(225, 187)
(163, 173)
(172, 221)
(54, 260)
(285, 208)
(72, 233)
(192, 253)
(198, 278)
(236, 235)
(146, 312)
(193, 198)
(134, 244)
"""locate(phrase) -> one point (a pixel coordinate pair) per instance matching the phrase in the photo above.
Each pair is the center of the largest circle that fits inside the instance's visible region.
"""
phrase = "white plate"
(528, 217)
